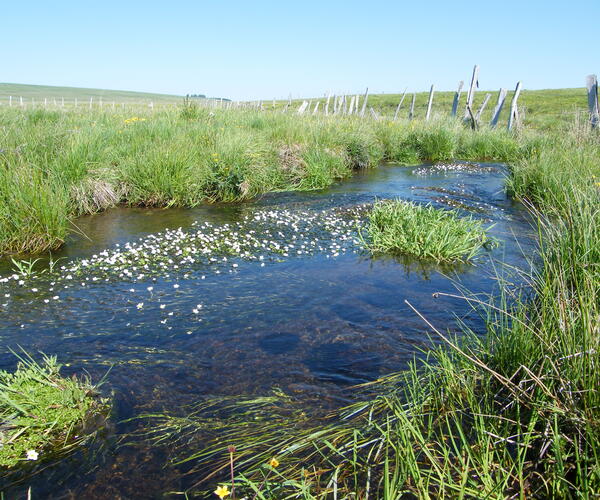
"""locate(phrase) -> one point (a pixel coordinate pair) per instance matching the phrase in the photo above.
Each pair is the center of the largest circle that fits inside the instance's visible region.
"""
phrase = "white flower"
(32, 455)
(162, 306)
(140, 305)
(175, 285)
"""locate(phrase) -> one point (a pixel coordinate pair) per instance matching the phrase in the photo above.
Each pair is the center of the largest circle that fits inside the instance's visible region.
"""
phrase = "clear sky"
(264, 49)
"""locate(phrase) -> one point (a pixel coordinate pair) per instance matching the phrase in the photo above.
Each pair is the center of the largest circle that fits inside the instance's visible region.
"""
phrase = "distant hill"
(40, 92)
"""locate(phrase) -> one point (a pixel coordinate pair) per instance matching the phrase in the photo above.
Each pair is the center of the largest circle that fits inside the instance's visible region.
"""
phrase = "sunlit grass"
(407, 228)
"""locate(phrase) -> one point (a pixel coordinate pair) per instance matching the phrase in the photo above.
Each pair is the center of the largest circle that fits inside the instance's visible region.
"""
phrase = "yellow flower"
(222, 491)
(274, 463)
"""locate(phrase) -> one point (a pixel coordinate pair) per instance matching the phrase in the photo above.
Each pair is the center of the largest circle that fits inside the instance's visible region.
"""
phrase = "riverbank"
(56, 166)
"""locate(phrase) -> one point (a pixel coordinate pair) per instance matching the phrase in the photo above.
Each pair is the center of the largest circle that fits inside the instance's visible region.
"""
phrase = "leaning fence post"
(592, 88)
(429, 103)
(513, 117)
(400, 104)
(364, 105)
(411, 113)
(351, 107)
(482, 107)
(471, 93)
(457, 98)
(302, 107)
(498, 108)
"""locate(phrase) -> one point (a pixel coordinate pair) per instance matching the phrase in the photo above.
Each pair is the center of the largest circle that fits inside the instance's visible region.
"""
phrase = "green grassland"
(40, 92)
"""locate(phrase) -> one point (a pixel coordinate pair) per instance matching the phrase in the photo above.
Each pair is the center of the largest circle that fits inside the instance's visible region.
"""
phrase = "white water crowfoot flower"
(32, 455)
(261, 236)
(140, 305)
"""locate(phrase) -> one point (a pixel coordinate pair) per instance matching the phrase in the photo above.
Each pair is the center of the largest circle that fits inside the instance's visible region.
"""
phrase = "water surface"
(312, 323)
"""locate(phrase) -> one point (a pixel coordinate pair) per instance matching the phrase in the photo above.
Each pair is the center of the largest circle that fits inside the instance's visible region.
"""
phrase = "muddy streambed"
(286, 298)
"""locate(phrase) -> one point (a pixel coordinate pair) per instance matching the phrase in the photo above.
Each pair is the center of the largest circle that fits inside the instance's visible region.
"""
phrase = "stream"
(287, 297)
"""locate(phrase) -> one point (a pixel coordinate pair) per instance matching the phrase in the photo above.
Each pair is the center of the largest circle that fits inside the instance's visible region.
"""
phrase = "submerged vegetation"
(401, 227)
(44, 415)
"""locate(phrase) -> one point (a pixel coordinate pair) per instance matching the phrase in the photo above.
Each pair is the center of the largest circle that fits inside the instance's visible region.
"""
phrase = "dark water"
(310, 323)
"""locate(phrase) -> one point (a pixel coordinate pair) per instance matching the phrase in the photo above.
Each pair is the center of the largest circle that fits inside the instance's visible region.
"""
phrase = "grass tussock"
(44, 414)
(406, 228)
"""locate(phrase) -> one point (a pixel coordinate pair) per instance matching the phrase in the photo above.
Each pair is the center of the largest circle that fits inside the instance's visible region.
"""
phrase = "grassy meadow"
(40, 92)
(512, 414)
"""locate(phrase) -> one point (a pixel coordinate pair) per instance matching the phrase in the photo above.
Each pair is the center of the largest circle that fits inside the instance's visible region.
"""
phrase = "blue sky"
(264, 49)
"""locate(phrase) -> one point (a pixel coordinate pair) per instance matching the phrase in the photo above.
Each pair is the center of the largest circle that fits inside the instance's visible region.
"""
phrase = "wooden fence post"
(429, 103)
(411, 113)
(400, 104)
(21, 100)
(302, 107)
(352, 102)
(471, 93)
(364, 105)
(498, 108)
(457, 98)
(482, 107)
(592, 88)
(327, 104)
(513, 118)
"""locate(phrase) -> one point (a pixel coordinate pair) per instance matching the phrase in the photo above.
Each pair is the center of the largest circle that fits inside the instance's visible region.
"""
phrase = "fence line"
(344, 104)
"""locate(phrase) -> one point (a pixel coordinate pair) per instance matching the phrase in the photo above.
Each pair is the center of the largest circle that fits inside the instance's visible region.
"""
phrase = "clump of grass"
(43, 414)
(401, 227)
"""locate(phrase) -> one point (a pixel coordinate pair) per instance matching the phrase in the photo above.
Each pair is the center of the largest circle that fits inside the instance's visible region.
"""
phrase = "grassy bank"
(55, 166)
(44, 415)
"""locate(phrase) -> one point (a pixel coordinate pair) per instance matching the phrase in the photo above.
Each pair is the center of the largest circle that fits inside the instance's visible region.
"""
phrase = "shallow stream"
(295, 304)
